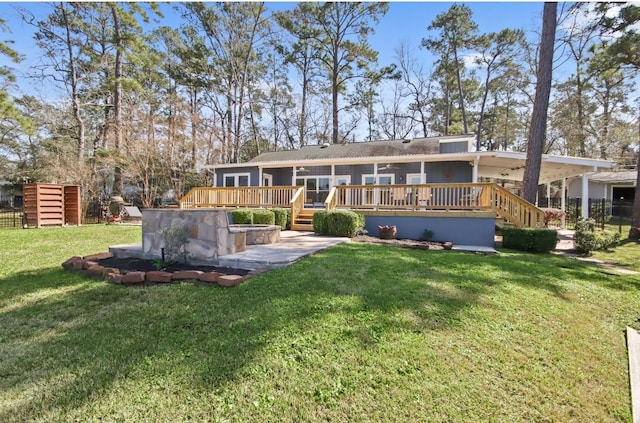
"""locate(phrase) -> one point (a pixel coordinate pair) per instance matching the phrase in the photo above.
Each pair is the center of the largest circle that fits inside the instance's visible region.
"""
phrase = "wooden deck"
(480, 197)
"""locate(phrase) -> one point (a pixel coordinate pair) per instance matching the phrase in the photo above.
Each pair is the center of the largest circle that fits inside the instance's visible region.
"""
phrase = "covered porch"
(319, 176)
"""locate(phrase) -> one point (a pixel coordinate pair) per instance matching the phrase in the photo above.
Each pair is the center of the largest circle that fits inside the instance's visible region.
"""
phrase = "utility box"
(51, 205)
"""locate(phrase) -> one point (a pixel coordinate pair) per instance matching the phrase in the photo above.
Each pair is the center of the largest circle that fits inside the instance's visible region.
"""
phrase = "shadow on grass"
(75, 338)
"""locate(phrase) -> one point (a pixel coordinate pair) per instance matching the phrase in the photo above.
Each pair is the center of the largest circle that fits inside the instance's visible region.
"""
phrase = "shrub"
(264, 217)
(320, 222)
(556, 216)
(338, 223)
(281, 216)
(242, 216)
(344, 223)
(586, 238)
(535, 240)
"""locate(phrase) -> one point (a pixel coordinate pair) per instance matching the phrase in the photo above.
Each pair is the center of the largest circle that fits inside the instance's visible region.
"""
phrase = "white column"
(333, 176)
(260, 181)
(474, 175)
(563, 201)
(423, 177)
(294, 177)
(585, 195)
(548, 194)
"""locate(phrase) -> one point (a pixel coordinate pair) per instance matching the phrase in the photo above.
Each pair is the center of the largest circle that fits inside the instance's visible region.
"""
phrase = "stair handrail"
(516, 209)
(297, 204)
(330, 201)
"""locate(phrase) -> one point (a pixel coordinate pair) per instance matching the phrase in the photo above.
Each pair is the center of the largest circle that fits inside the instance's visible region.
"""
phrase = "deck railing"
(238, 197)
(465, 196)
(297, 204)
(413, 197)
(468, 196)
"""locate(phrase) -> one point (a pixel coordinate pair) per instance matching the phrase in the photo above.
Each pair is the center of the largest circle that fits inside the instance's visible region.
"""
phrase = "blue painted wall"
(437, 172)
(459, 230)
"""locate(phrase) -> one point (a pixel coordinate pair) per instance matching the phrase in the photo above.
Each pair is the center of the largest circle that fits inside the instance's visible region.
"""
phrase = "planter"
(387, 232)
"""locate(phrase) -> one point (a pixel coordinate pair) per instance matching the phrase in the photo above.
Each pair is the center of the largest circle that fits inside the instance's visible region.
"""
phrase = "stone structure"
(209, 233)
(259, 234)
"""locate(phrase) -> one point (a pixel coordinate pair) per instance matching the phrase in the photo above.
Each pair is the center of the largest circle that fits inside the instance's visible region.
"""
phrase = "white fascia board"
(580, 161)
(352, 160)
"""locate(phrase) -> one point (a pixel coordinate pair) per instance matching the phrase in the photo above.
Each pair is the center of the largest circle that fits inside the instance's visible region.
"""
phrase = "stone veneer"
(209, 233)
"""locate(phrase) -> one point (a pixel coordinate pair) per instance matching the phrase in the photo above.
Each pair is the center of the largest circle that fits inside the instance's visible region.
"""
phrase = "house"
(608, 185)
(437, 178)
(614, 187)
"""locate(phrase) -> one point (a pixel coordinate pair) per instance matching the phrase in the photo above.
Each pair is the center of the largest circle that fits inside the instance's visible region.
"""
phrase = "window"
(236, 179)
(383, 179)
(414, 178)
(316, 188)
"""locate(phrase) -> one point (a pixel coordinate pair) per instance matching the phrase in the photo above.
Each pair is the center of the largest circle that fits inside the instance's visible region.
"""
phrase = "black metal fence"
(11, 218)
(616, 212)
(14, 217)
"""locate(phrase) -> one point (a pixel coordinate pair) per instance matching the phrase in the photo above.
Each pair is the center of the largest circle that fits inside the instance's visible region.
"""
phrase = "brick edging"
(90, 266)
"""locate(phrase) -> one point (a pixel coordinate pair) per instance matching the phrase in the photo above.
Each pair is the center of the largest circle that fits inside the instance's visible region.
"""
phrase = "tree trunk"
(73, 76)
(540, 104)
(634, 233)
(482, 107)
(118, 182)
(334, 100)
(194, 125)
(460, 96)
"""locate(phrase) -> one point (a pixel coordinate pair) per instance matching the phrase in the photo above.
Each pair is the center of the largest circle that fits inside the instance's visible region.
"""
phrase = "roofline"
(445, 157)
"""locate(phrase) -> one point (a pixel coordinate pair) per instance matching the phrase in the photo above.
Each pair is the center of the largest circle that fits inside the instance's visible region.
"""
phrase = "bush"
(264, 217)
(586, 238)
(320, 222)
(535, 240)
(242, 216)
(556, 216)
(344, 223)
(282, 217)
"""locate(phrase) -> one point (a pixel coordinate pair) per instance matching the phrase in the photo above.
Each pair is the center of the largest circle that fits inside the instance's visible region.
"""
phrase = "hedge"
(282, 217)
(242, 216)
(536, 240)
(263, 217)
(338, 223)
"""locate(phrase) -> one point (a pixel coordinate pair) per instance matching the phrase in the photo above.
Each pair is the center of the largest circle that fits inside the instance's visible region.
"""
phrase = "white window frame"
(419, 176)
(236, 178)
(336, 177)
(377, 178)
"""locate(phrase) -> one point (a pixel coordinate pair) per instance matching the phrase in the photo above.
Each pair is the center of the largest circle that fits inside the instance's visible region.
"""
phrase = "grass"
(626, 254)
(355, 333)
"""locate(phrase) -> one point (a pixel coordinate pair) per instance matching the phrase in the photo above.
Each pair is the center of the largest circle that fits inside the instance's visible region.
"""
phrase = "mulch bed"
(405, 243)
(140, 265)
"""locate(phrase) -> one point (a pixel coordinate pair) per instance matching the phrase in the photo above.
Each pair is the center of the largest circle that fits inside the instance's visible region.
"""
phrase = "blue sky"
(405, 21)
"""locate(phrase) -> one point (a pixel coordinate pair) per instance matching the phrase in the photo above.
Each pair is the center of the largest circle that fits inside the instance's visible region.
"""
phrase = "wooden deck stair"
(304, 220)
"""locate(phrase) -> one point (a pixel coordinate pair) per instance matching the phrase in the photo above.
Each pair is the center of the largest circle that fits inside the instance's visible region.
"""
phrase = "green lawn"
(355, 333)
